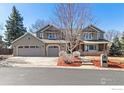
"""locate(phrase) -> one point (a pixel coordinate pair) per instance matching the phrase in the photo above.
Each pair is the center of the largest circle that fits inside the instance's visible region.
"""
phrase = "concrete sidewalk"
(81, 67)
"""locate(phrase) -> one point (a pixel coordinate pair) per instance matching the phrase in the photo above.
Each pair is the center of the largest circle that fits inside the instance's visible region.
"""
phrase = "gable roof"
(27, 33)
(94, 28)
(46, 27)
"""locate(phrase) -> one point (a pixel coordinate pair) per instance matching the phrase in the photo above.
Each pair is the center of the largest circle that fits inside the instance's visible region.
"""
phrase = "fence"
(5, 51)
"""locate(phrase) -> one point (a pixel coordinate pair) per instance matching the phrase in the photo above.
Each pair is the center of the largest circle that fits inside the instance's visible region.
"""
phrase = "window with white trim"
(92, 47)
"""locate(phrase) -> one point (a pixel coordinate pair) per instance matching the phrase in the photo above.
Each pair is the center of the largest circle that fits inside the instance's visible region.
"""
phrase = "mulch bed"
(111, 63)
(62, 63)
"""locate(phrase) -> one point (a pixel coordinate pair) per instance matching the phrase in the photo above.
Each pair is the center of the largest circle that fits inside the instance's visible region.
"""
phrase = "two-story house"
(92, 41)
(49, 40)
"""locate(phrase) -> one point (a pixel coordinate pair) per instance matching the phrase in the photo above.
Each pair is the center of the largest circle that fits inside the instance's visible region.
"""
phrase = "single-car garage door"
(29, 51)
(53, 51)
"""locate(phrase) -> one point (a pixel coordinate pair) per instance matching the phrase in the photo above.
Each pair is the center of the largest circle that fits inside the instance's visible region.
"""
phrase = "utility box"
(104, 60)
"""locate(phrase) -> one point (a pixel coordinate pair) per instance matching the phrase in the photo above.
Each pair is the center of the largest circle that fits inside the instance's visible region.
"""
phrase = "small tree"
(115, 47)
(122, 41)
(14, 26)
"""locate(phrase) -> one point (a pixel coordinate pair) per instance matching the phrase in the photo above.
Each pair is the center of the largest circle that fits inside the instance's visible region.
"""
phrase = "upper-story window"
(87, 36)
(41, 35)
(101, 36)
(52, 35)
(90, 36)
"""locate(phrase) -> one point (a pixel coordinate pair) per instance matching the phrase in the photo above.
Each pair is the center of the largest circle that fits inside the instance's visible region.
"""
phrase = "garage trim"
(51, 45)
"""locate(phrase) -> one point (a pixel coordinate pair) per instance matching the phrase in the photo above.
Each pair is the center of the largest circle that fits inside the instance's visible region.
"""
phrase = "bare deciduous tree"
(72, 18)
(38, 25)
(109, 35)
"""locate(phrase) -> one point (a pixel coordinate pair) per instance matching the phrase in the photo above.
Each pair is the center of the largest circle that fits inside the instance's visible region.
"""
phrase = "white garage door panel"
(53, 51)
(29, 51)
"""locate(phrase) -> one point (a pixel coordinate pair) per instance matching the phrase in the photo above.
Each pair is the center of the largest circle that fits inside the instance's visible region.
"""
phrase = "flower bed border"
(111, 64)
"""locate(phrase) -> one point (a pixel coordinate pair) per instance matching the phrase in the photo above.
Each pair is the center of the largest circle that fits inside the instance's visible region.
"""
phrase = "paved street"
(59, 76)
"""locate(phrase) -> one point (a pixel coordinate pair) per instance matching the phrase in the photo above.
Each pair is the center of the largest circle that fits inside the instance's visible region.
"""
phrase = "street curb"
(94, 68)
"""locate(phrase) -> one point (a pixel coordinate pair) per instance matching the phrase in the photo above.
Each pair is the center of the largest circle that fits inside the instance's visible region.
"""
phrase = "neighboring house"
(92, 41)
(50, 40)
(47, 42)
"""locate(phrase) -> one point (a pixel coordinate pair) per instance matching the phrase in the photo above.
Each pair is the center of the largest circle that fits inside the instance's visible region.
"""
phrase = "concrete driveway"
(32, 61)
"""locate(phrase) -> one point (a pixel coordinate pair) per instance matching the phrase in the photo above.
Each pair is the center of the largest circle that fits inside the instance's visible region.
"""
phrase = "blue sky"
(107, 16)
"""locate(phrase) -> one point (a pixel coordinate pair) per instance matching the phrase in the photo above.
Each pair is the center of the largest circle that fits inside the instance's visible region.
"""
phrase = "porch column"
(80, 50)
(104, 48)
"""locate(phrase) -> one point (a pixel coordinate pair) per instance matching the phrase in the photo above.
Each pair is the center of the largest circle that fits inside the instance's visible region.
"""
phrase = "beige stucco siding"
(28, 40)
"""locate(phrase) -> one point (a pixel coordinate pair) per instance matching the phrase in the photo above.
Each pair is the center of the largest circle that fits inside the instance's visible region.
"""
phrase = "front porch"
(92, 49)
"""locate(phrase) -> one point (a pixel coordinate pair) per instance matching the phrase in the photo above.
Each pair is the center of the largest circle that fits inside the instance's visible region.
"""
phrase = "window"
(91, 47)
(101, 36)
(90, 36)
(37, 47)
(49, 36)
(26, 46)
(86, 37)
(52, 35)
(32, 46)
(53, 46)
(41, 35)
(20, 47)
(83, 36)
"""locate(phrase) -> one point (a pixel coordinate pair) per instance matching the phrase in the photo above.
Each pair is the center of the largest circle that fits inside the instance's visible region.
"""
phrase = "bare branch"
(38, 25)
(72, 18)
(109, 35)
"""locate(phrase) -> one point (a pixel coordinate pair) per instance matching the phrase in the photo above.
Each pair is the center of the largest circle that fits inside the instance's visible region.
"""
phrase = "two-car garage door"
(29, 51)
